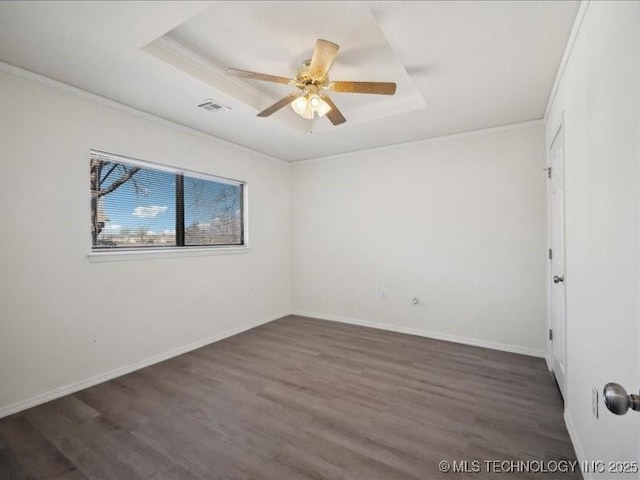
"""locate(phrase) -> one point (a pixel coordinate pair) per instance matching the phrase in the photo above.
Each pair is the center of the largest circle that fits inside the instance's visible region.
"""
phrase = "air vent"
(212, 106)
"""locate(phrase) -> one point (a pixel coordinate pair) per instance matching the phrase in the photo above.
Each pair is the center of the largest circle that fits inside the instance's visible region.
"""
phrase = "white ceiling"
(366, 55)
(460, 66)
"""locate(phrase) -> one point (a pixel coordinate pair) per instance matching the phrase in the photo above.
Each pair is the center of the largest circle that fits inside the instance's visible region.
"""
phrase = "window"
(136, 205)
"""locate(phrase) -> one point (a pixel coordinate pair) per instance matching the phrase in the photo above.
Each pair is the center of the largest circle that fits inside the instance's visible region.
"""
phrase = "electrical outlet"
(385, 294)
(595, 397)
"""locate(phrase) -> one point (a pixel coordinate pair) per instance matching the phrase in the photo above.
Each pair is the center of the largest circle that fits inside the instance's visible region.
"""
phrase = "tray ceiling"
(460, 66)
(241, 35)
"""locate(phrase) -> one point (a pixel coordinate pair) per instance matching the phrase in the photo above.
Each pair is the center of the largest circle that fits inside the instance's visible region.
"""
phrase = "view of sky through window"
(136, 206)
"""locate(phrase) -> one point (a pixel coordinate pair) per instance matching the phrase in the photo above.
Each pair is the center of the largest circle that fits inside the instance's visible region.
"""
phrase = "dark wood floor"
(298, 399)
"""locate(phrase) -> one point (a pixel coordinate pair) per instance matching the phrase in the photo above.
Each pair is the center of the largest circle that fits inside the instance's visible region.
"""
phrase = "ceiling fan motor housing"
(305, 81)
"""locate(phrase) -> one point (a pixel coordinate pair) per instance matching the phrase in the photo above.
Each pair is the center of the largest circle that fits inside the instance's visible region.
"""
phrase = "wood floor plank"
(298, 399)
(31, 450)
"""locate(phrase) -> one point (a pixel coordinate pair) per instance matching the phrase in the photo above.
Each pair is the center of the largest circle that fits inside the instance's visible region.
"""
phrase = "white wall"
(599, 95)
(460, 221)
(64, 319)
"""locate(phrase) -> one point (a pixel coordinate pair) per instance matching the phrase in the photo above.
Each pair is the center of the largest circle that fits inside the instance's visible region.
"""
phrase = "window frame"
(174, 250)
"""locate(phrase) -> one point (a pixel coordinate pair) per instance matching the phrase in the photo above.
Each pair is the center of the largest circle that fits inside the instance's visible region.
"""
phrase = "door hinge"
(548, 169)
(550, 254)
(550, 334)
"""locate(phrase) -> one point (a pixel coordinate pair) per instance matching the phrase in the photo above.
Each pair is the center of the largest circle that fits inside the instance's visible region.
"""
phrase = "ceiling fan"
(312, 79)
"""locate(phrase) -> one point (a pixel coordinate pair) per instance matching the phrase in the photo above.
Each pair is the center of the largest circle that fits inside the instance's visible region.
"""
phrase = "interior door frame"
(558, 129)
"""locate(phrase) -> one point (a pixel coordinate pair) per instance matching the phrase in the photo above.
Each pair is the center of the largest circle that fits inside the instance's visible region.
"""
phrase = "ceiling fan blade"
(334, 115)
(278, 105)
(258, 76)
(323, 56)
(376, 88)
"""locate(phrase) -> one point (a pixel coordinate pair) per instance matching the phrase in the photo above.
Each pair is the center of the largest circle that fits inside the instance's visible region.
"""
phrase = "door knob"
(617, 399)
(557, 279)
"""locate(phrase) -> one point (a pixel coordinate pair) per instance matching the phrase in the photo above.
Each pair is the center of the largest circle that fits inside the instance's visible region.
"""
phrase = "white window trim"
(114, 255)
(150, 253)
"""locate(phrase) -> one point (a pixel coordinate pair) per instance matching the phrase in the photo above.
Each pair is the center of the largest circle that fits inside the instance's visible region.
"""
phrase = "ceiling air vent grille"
(212, 106)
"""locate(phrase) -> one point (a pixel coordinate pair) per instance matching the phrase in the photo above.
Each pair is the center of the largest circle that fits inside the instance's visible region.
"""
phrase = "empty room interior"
(329, 240)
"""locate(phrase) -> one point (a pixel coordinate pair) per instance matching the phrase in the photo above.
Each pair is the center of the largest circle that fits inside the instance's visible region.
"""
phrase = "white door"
(558, 312)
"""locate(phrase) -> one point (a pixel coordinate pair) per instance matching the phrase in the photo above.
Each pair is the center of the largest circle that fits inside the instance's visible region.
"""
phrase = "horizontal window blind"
(135, 205)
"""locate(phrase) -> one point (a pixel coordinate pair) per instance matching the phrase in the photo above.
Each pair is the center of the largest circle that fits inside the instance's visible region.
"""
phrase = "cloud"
(149, 212)
(112, 228)
(169, 232)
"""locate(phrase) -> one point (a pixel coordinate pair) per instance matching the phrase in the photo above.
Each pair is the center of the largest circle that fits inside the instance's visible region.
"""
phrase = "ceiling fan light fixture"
(314, 101)
(319, 105)
(323, 108)
(311, 80)
(308, 114)
(309, 104)
(300, 105)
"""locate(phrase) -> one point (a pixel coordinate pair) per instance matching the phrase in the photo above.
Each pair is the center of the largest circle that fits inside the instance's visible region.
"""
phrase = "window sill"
(161, 253)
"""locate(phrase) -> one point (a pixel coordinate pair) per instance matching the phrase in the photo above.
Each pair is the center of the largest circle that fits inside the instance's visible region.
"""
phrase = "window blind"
(136, 205)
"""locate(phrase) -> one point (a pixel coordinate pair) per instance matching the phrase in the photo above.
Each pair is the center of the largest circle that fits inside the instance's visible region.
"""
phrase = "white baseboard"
(547, 358)
(425, 333)
(577, 446)
(103, 377)
(81, 385)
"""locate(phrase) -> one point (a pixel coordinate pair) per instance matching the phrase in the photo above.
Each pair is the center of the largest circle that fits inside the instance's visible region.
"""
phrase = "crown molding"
(404, 103)
(92, 97)
(577, 24)
(179, 56)
(423, 141)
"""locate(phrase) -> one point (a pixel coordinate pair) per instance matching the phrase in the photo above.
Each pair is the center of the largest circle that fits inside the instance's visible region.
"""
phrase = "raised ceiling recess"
(243, 35)
(475, 64)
